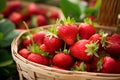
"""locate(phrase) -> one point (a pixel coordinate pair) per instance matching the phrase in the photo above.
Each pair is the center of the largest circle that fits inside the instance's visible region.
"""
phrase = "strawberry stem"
(28, 31)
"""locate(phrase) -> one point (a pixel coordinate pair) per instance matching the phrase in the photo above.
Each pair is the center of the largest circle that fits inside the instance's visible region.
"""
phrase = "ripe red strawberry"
(86, 30)
(33, 9)
(38, 37)
(53, 15)
(52, 44)
(27, 42)
(114, 50)
(109, 65)
(24, 52)
(84, 49)
(68, 32)
(81, 66)
(63, 60)
(100, 38)
(16, 17)
(115, 38)
(113, 47)
(39, 20)
(11, 7)
(37, 58)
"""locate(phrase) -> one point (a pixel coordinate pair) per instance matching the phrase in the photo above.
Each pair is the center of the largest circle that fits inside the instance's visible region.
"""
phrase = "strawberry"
(27, 42)
(33, 9)
(12, 7)
(113, 47)
(37, 58)
(53, 15)
(114, 50)
(52, 44)
(81, 66)
(39, 20)
(16, 17)
(68, 32)
(38, 37)
(100, 38)
(84, 50)
(86, 30)
(115, 38)
(62, 60)
(108, 65)
(24, 52)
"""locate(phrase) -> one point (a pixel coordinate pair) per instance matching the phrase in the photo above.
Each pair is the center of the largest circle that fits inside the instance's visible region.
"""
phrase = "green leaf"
(98, 3)
(7, 28)
(5, 58)
(1, 36)
(2, 5)
(70, 9)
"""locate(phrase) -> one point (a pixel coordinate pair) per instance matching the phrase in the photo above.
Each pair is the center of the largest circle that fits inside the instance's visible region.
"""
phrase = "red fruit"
(16, 17)
(43, 47)
(115, 38)
(52, 44)
(41, 20)
(11, 7)
(95, 37)
(33, 9)
(81, 66)
(109, 65)
(53, 15)
(38, 37)
(63, 60)
(93, 63)
(114, 50)
(37, 58)
(86, 30)
(84, 50)
(113, 47)
(24, 52)
(100, 38)
(68, 33)
(27, 42)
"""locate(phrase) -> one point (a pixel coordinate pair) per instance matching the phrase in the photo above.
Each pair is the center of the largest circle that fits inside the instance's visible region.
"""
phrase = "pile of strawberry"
(71, 46)
(33, 14)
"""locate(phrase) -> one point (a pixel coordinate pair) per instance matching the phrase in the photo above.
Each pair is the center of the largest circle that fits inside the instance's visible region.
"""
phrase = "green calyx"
(82, 67)
(34, 48)
(92, 48)
(66, 51)
(87, 20)
(68, 21)
(52, 32)
(99, 65)
(103, 38)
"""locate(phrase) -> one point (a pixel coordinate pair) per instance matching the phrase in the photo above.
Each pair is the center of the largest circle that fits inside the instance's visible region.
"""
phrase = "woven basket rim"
(14, 48)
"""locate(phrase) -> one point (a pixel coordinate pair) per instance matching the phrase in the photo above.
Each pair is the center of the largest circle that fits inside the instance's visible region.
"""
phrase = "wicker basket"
(33, 71)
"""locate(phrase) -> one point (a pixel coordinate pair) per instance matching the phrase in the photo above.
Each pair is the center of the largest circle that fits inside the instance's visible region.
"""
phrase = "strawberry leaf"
(69, 8)
(7, 29)
(2, 5)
